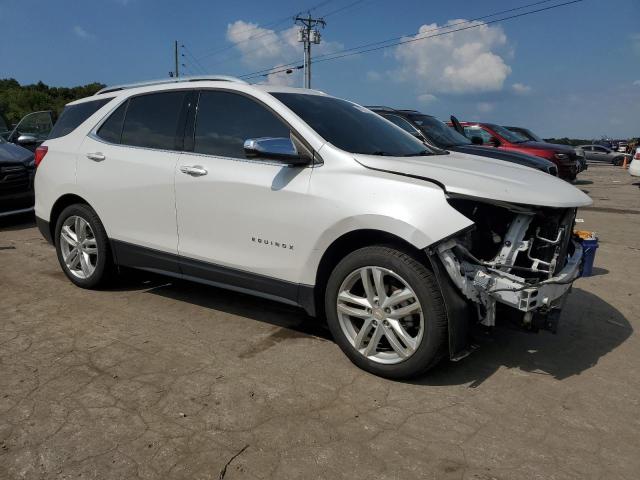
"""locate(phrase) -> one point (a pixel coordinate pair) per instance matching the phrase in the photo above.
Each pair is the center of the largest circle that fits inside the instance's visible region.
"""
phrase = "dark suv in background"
(438, 134)
(16, 179)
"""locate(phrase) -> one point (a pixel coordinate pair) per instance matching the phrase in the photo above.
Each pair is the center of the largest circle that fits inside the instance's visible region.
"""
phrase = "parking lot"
(161, 379)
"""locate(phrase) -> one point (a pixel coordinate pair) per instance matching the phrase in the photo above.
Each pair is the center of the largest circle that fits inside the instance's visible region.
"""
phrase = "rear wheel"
(385, 311)
(82, 246)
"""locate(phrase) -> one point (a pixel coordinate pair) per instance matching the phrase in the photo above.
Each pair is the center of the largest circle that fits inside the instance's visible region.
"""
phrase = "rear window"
(73, 115)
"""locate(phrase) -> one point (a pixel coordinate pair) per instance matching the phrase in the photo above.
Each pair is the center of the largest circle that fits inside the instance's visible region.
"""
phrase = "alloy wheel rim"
(79, 247)
(380, 315)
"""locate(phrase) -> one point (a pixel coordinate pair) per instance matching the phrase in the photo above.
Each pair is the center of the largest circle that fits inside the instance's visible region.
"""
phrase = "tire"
(397, 270)
(93, 239)
(618, 161)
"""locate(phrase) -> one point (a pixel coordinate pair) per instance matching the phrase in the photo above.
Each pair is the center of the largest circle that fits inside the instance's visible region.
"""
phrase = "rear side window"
(111, 130)
(152, 120)
(73, 115)
(225, 120)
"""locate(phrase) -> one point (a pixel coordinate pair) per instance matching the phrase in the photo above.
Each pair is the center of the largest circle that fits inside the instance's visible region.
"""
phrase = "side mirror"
(27, 140)
(494, 141)
(477, 140)
(278, 148)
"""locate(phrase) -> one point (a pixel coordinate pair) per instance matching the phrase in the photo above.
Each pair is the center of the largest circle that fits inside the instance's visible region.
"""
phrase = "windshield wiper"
(422, 153)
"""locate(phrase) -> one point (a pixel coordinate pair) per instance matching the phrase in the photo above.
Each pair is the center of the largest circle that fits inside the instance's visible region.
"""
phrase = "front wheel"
(386, 312)
(82, 246)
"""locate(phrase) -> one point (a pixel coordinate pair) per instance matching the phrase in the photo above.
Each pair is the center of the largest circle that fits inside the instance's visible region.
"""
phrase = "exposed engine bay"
(520, 256)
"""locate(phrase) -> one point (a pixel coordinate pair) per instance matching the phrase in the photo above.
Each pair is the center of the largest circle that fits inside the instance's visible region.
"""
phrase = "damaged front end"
(517, 259)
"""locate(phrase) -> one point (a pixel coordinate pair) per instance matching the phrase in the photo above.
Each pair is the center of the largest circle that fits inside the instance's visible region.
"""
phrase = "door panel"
(242, 214)
(233, 211)
(132, 191)
(127, 170)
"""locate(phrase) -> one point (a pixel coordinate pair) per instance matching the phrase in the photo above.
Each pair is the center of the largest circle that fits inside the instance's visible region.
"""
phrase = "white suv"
(310, 200)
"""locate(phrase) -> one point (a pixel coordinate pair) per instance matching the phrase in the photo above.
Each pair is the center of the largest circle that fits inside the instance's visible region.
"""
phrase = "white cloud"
(485, 107)
(426, 98)
(637, 83)
(460, 62)
(521, 88)
(81, 32)
(262, 48)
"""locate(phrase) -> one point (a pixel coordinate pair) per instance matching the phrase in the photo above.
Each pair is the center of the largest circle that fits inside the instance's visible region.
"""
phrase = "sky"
(572, 71)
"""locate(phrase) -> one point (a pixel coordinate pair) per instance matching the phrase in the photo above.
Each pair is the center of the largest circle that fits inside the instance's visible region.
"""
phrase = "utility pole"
(175, 54)
(309, 34)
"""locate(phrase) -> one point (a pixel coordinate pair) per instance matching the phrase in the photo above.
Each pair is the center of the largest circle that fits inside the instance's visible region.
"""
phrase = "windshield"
(507, 134)
(534, 137)
(351, 127)
(439, 133)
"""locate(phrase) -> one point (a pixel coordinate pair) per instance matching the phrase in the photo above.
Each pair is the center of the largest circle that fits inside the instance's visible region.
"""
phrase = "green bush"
(17, 100)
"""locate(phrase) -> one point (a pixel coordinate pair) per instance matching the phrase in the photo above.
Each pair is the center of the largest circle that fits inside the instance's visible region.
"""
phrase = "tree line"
(18, 100)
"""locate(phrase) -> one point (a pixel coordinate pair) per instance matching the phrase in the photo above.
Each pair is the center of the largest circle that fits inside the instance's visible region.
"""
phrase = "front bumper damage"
(534, 288)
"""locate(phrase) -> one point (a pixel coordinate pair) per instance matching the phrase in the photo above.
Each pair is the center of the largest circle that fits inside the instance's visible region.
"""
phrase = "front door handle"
(96, 156)
(193, 170)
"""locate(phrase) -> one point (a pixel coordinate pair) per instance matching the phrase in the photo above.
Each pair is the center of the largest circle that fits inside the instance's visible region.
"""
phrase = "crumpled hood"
(14, 154)
(483, 177)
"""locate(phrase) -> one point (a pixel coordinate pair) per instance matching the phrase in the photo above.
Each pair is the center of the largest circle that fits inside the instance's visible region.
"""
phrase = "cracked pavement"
(155, 378)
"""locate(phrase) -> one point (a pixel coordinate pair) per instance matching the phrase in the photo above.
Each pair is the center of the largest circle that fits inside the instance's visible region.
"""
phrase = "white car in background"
(310, 200)
(634, 167)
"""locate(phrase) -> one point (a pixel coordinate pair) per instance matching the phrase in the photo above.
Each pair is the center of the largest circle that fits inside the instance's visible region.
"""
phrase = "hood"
(507, 156)
(14, 154)
(483, 177)
(549, 146)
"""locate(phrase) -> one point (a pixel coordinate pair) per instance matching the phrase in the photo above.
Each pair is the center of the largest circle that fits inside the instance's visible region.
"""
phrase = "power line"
(412, 40)
(188, 55)
(386, 43)
(444, 27)
(346, 7)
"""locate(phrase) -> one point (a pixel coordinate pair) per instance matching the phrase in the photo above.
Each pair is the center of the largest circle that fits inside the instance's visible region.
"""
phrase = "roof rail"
(200, 78)
(380, 107)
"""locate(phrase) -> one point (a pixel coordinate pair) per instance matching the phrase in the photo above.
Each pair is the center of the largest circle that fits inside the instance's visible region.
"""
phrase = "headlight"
(561, 156)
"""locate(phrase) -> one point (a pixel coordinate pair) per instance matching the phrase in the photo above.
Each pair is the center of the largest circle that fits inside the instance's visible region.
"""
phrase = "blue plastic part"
(589, 248)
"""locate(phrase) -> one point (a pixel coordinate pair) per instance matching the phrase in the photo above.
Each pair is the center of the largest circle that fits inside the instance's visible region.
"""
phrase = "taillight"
(41, 151)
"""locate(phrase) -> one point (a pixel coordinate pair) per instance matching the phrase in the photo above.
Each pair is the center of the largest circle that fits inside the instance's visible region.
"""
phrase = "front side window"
(74, 115)
(225, 120)
(352, 128)
(152, 120)
(476, 131)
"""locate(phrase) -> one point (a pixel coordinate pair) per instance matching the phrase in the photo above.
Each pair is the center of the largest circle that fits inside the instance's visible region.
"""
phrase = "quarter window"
(152, 120)
(225, 120)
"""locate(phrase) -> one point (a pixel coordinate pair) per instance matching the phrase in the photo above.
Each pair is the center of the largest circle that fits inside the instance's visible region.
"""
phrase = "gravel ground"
(163, 379)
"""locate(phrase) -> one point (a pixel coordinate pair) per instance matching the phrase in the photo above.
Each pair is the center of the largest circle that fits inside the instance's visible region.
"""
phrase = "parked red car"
(497, 136)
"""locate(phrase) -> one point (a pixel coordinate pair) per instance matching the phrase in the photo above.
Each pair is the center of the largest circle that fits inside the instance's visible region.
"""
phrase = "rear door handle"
(96, 156)
(193, 170)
